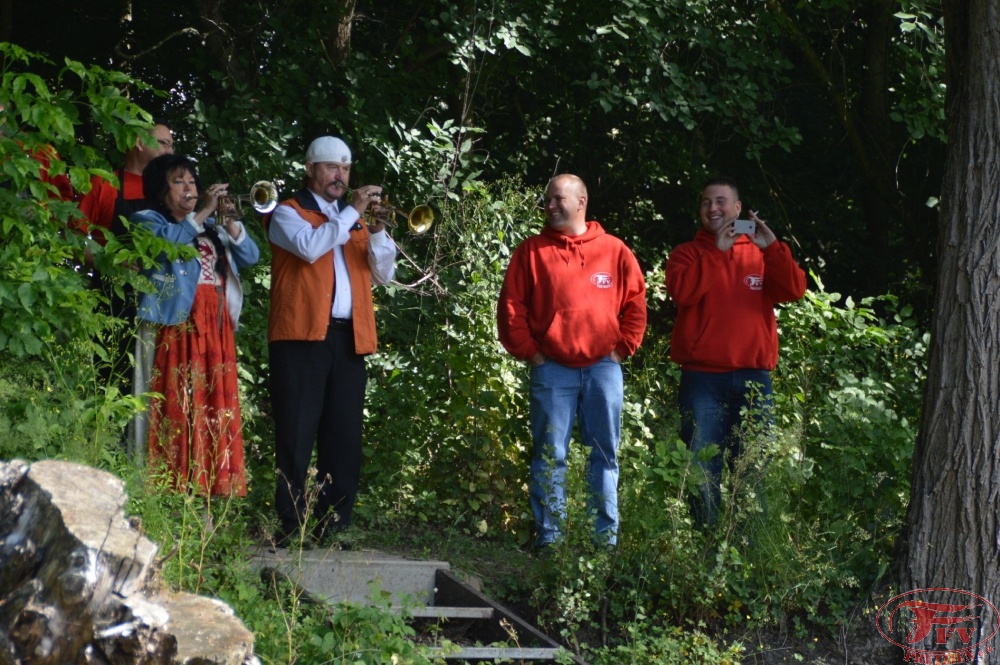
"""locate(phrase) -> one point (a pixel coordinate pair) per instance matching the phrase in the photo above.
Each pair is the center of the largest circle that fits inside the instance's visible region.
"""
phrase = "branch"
(179, 33)
(428, 276)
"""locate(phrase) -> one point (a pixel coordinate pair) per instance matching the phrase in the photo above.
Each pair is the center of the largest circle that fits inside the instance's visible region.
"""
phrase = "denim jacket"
(176, 281)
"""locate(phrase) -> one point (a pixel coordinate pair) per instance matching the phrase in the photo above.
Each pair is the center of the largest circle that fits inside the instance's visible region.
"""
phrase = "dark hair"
(156, 184)
(162, 121)
(723, 181)
(155, 180)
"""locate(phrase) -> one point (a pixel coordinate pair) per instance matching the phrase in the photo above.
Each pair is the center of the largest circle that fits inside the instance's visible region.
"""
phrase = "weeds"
(808, 519)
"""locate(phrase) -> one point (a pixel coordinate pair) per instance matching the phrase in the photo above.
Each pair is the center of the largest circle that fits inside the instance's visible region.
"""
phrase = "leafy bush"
(447, 408)
(849, 390)
(648, 643)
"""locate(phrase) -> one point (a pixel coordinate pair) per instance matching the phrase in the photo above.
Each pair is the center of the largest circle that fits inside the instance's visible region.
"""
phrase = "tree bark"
(954, 531)
(338, 43)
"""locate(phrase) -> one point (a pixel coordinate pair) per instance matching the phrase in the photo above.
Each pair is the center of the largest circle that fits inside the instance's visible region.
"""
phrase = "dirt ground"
(862, 644)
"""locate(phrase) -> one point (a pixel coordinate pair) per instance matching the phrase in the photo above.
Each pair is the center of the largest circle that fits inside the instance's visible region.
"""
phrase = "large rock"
(78, 584)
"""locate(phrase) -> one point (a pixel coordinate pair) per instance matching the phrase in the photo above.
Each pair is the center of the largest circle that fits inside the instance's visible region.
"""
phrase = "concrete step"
(438, 612)
(429, 591)
(336, 576)
(504, 654)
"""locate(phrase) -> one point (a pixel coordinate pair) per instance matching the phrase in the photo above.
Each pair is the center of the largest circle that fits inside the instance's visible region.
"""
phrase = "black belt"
(341, 324)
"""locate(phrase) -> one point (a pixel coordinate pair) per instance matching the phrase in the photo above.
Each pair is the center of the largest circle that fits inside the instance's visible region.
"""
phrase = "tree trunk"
(219, 39)
(954, 530)
(338, 43)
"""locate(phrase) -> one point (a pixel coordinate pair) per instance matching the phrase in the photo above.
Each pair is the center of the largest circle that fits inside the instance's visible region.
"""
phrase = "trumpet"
(419, 220)
(263, 197)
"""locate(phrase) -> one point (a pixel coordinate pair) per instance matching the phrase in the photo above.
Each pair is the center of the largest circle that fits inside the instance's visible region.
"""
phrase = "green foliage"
(676, 646)
(54, 407)
(441, 164)
(725, 41)
(439, 342)
(921, 93)
(43, 291)
(367, 634)
(850, 388)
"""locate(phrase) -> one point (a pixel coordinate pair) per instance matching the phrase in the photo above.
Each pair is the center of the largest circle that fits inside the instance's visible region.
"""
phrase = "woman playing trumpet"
(194, 421)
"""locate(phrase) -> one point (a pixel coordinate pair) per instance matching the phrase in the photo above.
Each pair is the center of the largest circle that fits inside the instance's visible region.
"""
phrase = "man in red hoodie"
(726, 283)
(104, 205)
(573, 305)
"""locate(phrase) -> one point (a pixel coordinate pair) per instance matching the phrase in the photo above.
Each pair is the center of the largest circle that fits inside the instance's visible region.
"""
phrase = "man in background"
(104, 205)
(725, 284)
(103, 208)
(573, 306)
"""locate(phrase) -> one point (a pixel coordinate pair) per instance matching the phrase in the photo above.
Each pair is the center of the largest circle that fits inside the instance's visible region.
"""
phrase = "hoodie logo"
(601, 280)
(754, 282)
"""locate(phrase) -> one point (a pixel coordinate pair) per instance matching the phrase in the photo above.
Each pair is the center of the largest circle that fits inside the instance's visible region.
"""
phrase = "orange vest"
(302, 293)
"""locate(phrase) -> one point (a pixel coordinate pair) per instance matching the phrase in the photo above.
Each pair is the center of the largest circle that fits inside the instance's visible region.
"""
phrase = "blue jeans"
(592, 398)
(710, 413)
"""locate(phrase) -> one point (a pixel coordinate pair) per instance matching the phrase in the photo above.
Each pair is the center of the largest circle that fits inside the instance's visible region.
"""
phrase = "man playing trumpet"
(320, 328)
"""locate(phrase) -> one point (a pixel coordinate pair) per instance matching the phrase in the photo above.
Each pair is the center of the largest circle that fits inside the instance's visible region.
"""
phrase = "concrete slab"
(498, 654)
(335, 575)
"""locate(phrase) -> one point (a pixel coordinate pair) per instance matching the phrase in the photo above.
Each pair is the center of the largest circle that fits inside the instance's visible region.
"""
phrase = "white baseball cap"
(328, 149)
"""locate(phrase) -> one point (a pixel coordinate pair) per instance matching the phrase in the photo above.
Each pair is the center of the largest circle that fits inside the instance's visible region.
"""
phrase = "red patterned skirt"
(194, 422)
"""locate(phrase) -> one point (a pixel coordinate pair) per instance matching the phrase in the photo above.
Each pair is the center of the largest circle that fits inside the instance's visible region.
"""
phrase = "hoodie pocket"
(580, 334)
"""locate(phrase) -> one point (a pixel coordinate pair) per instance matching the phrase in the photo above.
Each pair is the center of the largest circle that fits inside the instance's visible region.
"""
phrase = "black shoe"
(330, 528)
(337, 538)
(292, 540)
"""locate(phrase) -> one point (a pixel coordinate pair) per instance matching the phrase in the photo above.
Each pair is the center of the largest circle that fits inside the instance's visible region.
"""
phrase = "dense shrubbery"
(448, 446)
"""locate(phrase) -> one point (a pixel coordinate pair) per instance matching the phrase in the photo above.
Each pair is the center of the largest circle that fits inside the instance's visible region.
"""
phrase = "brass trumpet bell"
(264, 196)
(420, 219)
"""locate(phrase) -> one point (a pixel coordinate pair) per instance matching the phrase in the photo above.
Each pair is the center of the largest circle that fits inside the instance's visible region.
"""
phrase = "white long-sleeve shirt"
(294, 234)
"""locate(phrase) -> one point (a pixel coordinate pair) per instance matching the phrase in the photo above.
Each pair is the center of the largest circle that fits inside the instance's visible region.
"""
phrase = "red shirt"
(574, 299)
(60, 182)
(98, 206)
(725, 302)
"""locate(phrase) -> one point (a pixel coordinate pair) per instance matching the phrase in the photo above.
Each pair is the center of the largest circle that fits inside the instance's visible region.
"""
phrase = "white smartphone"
(745, 226)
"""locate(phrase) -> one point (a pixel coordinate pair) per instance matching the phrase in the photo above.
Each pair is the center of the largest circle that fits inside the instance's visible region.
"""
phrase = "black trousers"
(317, 396)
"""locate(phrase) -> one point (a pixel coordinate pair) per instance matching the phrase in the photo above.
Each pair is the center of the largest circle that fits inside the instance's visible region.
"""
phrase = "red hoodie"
(575, 299)
(725, 301)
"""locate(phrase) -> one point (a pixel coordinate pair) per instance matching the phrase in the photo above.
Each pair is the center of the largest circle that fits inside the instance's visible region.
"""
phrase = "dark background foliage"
(828, 113)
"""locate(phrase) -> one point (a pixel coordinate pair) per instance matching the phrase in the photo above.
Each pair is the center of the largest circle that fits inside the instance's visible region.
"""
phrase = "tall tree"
(954, 515)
